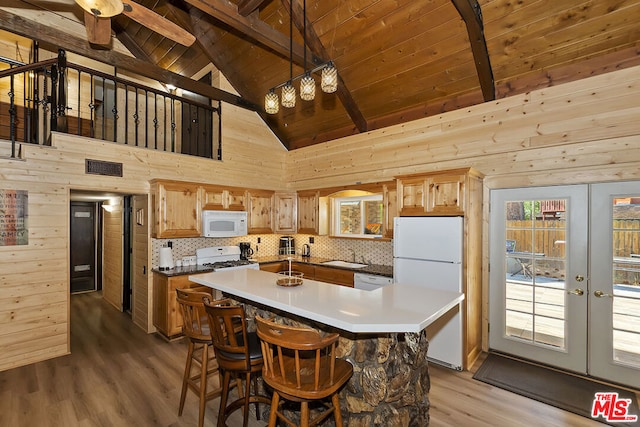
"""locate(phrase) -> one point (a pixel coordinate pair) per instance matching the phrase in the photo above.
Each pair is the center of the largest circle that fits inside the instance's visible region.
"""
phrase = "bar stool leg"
(273, 415)
(185, 378)
(304, 414)
(203, 383)
(223, 399)
(335, 399)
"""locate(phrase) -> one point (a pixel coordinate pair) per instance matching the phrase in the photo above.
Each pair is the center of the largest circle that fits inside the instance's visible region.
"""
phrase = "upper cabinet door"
(390, 199)
(443, 193)
(285, 212)
(412, 196)
(308, 212)
(178, 211)
(260, 211)
(446, 194)
(215, 198)
(236, 199)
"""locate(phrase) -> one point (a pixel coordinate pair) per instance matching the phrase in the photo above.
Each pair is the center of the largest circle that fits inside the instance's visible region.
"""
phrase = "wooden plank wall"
(142, 302)
(581, 132)
(34, 281)
(112, 261)
(584, 131)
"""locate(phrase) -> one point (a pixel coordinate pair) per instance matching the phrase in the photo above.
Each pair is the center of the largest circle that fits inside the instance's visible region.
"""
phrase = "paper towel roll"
(166, 259)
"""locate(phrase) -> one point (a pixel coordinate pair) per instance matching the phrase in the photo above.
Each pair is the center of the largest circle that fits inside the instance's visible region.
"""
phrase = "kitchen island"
(381, 334)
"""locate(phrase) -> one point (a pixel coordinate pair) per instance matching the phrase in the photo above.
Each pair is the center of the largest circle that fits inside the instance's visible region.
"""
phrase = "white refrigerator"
(427, 251)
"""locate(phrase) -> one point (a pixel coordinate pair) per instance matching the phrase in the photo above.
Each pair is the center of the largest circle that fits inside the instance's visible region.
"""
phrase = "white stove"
(223, 258)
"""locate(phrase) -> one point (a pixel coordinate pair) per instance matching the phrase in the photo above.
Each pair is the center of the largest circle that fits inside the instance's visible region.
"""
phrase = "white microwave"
(224, 223)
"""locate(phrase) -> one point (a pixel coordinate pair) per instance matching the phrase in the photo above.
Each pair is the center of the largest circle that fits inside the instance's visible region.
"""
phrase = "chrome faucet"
(353, 255)
(364, 261)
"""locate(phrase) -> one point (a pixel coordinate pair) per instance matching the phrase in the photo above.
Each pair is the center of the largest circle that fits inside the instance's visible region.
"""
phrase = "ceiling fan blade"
(98, 29)
(158, 23)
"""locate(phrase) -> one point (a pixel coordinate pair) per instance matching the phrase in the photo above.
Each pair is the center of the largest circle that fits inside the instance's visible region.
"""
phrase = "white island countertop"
(390, 309)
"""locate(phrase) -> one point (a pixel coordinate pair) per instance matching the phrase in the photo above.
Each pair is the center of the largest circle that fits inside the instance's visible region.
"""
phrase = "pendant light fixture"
(271, 102)
(288, 91)
(307, 84)
(329, 81)
(329, 78)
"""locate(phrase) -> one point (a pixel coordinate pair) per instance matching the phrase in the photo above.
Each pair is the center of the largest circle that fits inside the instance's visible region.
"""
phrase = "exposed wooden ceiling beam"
(128, 42)
(254, 28)
(247, 7)
(471, 14)
(317, 48)
(214, 51)
(54, 39)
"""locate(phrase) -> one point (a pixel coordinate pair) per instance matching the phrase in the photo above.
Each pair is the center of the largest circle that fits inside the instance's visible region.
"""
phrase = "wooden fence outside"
(546, 239)
(549, 237)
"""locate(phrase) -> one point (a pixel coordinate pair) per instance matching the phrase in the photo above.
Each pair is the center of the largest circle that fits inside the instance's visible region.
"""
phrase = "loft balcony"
(55, 95)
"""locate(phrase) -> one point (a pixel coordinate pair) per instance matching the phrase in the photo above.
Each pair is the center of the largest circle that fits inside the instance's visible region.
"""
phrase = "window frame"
(336, 217)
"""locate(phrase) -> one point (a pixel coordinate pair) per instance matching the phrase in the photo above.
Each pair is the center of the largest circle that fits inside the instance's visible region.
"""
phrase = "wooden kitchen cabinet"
(454, 193)
(286, 212)
(167, 317)
(438, 194)
(412, 195)
(274, 267)
(216, 197)
(334, 275)
(309, 270)
(260, 211)
(308, 212)
(177, 209)
(446, 193)
(390, 201)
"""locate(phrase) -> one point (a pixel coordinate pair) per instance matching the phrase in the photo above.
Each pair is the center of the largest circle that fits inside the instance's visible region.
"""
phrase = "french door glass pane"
(626, 280)
(535, 265)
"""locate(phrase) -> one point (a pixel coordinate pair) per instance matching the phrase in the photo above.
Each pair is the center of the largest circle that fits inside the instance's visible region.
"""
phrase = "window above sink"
(357, 214)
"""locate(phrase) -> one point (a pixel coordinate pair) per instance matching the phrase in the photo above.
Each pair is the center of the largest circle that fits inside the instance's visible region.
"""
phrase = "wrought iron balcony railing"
(53, 95)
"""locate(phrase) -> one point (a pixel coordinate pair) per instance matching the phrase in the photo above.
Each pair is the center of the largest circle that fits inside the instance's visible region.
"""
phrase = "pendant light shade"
(271, 103)
(288, 96)
(329, 78)
(307, 82)
(102, 8)
(307, 88)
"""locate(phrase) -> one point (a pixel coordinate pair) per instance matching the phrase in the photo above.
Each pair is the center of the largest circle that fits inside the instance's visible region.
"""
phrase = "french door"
(565, 277)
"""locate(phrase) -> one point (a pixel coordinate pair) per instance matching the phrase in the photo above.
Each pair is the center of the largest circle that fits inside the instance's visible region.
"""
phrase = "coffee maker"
(245, 250)
(287, 246)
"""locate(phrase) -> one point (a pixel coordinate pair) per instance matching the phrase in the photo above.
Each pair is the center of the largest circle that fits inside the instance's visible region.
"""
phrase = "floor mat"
(561, 390)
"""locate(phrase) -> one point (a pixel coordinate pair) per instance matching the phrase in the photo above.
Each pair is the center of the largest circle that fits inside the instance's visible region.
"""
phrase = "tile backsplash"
(374, 251)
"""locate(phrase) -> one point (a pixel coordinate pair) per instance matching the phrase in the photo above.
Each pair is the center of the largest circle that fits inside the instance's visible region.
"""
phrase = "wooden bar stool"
(238, 354)
(300, 365)
(200, 354)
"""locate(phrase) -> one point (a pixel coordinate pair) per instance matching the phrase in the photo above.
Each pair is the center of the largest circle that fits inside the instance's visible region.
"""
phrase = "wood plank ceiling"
(397, 60)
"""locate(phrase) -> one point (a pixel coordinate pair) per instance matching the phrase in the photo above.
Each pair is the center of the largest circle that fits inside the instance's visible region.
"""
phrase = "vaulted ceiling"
(397, 60)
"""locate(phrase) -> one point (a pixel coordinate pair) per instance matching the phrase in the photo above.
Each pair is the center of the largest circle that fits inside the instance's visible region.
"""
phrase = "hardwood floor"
(458, 400)
(116, 375)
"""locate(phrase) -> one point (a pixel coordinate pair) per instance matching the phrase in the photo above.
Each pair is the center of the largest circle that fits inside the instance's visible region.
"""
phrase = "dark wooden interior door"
(197, 125)
(83, 247)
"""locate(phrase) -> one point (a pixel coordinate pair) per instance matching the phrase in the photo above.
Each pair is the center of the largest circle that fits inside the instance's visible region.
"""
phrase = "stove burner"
(226, 264)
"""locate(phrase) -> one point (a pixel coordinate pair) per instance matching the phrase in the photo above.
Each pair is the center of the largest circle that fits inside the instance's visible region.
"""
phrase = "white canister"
(166, 259)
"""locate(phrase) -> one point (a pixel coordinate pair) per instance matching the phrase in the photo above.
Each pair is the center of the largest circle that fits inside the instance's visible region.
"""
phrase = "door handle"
(579, 278)
(600, 294)
(576, 291)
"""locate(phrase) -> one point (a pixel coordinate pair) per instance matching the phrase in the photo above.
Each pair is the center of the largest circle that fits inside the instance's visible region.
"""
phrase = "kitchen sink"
(344, 264)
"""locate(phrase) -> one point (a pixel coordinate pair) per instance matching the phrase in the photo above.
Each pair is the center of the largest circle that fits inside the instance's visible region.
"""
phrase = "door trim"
(573, 357)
